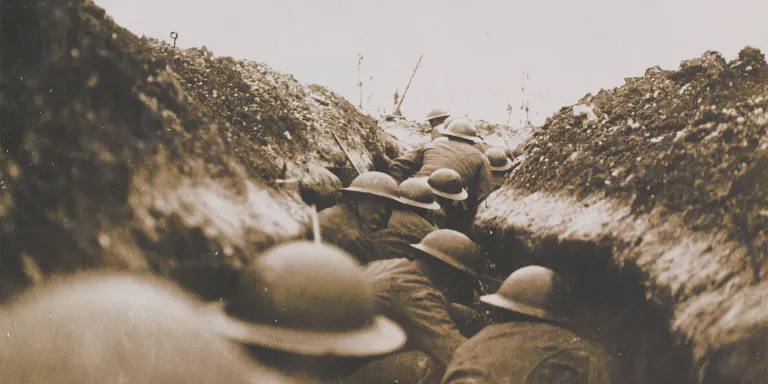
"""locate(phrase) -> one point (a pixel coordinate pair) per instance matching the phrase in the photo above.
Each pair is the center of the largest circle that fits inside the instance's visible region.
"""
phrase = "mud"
(665, 181)
(648, 265)
(688, 140)
(268, 109)
(111, 159)
(125, 153)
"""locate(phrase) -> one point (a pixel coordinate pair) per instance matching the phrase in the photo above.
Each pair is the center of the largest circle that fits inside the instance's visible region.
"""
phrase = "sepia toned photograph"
(383, 192)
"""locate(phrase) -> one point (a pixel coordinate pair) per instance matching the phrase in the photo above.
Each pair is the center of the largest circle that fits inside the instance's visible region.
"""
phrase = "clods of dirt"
(688, 140)
(273, 111)
(125, 153)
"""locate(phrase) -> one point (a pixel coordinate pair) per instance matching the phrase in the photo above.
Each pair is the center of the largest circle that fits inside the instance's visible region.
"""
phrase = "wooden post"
(397, 110)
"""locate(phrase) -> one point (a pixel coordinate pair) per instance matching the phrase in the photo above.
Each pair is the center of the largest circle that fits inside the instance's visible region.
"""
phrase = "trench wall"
(122, 152)
(664, 299)
(654, 193)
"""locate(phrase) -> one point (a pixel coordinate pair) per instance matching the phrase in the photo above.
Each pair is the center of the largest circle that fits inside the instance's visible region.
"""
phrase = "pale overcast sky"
(475, 52)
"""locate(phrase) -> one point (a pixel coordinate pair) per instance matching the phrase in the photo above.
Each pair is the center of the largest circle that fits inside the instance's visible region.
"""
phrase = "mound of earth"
(410, 134)
(502, 135)
(109, 158)
(686, 140)
(662, 182)
(275, 112)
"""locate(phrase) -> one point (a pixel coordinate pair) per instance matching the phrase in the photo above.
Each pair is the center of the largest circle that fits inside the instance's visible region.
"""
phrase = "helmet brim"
(433, 206)
(438, 116)
(461, 196)
(445, 258)
(473, 139)
(356, 190)
(499, 301)
(380, 337)
(506, 167)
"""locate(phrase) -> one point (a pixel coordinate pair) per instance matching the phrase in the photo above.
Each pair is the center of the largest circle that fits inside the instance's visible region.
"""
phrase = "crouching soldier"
(437, 118)
(451, 195)
(530, 342)
(500, 165)
(457, 153)
(308, 311)
(413, 293)
(351, 225)
(479, 145)
(409, 224)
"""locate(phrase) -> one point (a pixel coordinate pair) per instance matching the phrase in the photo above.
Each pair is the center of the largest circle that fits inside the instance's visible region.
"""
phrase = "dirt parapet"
(660, 183)
(409, 134)
(110, 159)
(272, 110)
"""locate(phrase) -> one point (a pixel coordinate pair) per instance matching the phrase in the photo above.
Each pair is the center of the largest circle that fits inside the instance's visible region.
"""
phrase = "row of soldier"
(415, 241)
(390, 297)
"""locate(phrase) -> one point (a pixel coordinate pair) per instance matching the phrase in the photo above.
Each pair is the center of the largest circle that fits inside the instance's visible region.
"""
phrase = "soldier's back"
(530, 353)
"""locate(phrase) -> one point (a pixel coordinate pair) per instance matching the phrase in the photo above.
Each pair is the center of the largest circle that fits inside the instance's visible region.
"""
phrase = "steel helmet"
(454, 248)
(451, 119)
(437, 113)
(96, 327)
(417, 193)
(534, 291)
(375, 184)
(308, 299)
(498, 159)
(462, 129)
(447, 183)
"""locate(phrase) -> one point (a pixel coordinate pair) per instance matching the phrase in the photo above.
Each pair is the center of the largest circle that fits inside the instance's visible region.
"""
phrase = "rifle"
(402, 98)
(346, 153)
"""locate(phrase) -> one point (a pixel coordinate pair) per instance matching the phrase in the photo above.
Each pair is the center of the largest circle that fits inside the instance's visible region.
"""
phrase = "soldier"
(500, 165)
(479, 145)
(368, 204)
(97, 328)
(435, 133)
(409, 224)
(437, 136)
(530, 343)
(436, 118)
(413, 293)
(457, 153)
(450, 120)
(308, 311)
(449, 192)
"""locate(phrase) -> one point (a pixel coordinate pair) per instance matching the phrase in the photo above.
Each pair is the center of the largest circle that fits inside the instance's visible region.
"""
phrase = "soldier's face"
(373, 214)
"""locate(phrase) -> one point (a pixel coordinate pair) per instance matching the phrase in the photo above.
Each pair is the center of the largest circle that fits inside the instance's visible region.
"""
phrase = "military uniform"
(462, 157)
(405, 295)
(530, 353)
(405, 228)
(341, 227)
(454, 218)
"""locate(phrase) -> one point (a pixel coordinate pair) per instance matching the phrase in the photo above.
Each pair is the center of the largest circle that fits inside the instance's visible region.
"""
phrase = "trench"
(609, 302)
